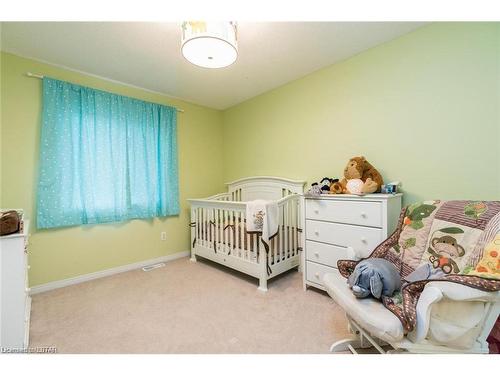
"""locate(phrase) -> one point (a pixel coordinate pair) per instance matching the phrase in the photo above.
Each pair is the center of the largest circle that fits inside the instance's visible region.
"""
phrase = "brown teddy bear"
(359, 168)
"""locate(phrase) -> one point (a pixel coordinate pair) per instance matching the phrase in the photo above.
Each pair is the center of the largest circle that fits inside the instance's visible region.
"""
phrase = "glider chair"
(439, 309)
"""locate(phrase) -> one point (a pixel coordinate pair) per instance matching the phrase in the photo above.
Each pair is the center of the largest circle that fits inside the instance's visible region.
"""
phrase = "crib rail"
(218, 225)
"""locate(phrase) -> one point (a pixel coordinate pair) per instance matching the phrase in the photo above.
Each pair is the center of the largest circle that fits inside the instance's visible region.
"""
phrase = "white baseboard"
(111, 271)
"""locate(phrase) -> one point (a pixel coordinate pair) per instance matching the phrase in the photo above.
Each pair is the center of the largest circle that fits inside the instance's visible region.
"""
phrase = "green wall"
(423, 108)
(62, 253)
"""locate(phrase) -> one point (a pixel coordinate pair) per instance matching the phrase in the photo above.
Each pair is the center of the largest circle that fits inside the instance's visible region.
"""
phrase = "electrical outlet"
(163, 236)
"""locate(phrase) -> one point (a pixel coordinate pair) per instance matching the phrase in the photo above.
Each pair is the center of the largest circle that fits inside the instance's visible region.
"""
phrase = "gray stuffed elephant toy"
(374, 276)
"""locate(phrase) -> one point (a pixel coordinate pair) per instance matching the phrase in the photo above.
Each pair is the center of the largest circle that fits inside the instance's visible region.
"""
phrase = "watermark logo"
(30, 350)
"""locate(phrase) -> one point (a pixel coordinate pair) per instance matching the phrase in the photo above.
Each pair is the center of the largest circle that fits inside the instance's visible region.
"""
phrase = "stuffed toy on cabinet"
(358, 168)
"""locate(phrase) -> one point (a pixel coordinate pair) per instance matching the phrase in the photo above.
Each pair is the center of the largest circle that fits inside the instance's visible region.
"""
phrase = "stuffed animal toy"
(359, 168)
(374, 276)
(336, 188)
(314, 189)
(325, 184)
(323, 187)
(355, 186)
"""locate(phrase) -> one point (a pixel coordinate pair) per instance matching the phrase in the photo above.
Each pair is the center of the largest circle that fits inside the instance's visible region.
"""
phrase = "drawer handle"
(363, 239)
(316, 232)
(316, 211)
(316, 275)
(316, 254)
(363, 214)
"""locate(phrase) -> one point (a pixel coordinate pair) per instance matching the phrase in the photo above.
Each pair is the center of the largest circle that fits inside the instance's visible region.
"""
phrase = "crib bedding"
(249, 240)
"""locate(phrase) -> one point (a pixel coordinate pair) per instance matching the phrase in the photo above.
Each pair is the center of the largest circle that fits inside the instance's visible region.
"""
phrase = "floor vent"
(153, 266)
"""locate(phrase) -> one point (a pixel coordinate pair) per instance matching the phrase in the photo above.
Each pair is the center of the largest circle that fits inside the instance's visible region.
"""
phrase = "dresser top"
(355, 197)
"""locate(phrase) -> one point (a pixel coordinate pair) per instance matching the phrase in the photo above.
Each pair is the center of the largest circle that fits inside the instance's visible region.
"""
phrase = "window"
(104, 157)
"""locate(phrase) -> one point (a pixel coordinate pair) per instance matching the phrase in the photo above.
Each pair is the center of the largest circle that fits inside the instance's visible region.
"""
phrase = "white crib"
(218, 228)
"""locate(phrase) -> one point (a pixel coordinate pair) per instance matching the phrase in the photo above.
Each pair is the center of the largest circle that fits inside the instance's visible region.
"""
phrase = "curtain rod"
(33, 75)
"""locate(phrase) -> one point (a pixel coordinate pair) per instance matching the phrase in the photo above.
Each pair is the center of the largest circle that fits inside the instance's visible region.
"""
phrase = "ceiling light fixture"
(209, 44)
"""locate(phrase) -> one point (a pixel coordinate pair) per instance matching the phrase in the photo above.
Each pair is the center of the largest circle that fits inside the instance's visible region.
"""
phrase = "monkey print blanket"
(457, 241)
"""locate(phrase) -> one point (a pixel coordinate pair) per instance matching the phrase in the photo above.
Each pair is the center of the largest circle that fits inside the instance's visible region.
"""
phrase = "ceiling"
(147, 54)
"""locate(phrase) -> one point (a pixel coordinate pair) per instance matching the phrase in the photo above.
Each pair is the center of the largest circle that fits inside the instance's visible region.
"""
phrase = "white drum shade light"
(209, 44)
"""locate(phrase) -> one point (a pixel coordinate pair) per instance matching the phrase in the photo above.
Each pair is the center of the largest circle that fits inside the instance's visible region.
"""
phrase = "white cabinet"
(336, 226)
(15, 302)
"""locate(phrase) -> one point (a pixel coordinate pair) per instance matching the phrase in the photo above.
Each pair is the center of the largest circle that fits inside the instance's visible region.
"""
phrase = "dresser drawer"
(325, 254)
(362, 239)
(315, 272)
(359, 213)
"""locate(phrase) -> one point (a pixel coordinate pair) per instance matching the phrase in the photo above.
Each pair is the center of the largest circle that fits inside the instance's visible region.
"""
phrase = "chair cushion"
(369, 313)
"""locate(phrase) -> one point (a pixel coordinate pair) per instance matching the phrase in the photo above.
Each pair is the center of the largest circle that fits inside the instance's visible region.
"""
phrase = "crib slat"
(209, 243)
(242, 234)
(226, 231)
(280, 238)
(220, 228)
(291, 231)
(231, 231)
(238, 234)
(294, 229)
(212, 227)
(296, 236)
(290, 228)
(255, 254)
(269, 253)
(197, 224)
(202, 225)
(275, 249)
(215, 229)
(247, 243)
(287, 231)
(205, 227)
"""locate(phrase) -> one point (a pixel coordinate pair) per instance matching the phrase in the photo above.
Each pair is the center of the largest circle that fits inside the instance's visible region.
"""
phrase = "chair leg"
(344, 345)
(359, 339)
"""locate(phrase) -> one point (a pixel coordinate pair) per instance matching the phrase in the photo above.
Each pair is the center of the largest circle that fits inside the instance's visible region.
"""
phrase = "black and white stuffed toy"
(324, 185)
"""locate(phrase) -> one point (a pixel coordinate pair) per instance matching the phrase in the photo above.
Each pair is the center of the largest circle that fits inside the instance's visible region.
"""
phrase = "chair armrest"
(458, 295)
(460, 292)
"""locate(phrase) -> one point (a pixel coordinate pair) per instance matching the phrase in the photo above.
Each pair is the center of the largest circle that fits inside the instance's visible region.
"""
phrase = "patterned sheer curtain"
(104, 157)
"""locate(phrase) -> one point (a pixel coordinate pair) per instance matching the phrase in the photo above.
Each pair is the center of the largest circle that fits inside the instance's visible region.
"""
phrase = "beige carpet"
(186, 307)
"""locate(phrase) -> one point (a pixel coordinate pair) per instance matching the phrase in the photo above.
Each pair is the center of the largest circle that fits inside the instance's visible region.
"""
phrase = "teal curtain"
(104, 157)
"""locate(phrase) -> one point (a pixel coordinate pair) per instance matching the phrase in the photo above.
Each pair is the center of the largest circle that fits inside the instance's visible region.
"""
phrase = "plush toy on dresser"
(323, 187)
(325, 184)
(360, 177)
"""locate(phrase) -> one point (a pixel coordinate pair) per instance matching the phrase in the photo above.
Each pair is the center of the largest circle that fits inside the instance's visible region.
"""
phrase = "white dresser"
(338, 226)
(15, 302)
